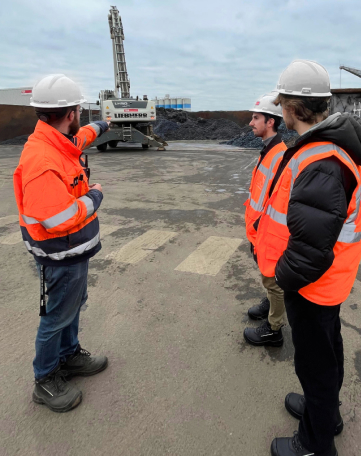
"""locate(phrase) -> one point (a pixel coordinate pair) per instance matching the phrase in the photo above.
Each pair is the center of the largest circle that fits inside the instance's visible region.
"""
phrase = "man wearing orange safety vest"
(309, 239)
(60, 228)
(266, 118)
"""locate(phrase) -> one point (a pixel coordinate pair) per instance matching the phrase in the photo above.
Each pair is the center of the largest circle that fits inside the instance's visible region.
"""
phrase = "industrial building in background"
(346, 100)
(21, 97)
(167, 102)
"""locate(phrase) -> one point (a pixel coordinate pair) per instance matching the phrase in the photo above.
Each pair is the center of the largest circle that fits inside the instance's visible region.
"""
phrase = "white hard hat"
(265, 104)
(305, 78)
(56, 91)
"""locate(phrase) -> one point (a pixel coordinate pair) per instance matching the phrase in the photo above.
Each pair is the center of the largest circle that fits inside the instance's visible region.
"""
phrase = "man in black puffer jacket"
(309, 235)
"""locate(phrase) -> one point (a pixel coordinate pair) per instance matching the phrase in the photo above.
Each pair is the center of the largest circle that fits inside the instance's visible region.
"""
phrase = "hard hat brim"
(263, 111)
(36, 104)
(302, 94)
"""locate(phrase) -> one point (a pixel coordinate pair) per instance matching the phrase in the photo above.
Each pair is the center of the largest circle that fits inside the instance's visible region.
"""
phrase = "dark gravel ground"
(174, 125)
(17, 141)
(178, 125)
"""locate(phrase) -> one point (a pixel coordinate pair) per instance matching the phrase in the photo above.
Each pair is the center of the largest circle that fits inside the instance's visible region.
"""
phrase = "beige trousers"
(277, 305)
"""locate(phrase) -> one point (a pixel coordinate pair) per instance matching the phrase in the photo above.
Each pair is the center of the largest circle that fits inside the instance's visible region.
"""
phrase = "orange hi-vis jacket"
(262, 177)
(57, 219)
(334, 286)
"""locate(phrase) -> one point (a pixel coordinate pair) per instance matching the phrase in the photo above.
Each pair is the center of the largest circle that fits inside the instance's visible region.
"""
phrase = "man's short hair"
(277, 120)
(53, 115)
(306, 109)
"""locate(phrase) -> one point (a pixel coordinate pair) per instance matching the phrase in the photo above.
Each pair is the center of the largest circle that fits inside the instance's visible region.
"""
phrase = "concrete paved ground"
(181, 380)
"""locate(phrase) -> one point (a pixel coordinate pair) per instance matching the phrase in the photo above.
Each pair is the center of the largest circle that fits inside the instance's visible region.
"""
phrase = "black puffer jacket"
(318, 203)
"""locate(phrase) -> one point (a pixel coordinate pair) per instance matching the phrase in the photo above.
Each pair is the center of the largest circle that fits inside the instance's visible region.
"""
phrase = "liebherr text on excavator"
(132, 119)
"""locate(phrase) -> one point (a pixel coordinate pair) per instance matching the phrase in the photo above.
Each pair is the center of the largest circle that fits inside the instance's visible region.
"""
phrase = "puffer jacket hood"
(344, 130)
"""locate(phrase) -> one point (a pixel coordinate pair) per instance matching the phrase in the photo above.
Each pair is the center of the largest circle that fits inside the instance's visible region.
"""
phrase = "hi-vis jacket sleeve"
(86, 135)
(47, 200)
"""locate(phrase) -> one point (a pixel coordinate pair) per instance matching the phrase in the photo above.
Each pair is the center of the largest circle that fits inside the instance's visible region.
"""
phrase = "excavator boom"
(351, 70)
(120, 65)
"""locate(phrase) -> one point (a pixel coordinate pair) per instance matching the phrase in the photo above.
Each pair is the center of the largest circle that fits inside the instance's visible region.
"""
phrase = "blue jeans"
(57, 338)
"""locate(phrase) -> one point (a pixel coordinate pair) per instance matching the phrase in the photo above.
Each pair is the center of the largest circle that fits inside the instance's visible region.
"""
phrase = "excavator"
(131, 119)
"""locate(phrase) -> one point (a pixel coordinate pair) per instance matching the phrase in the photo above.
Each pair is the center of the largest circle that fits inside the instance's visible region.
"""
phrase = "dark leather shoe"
(295, 405)
(263, 335)
(260, 311)
(56, 393)
(83, 364)
(291, 446)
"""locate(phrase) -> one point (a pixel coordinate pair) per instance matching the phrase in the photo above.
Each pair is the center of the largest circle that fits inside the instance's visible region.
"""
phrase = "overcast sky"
(222, 54)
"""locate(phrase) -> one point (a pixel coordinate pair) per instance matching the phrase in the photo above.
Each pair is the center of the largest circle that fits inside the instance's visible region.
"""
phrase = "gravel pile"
(247, 139)
(17, 141)
(178, 125)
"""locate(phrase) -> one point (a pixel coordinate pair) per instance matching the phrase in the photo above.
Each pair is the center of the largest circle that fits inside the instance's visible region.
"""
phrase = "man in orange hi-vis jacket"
(309, 239)
(266, 118)
(60, 228)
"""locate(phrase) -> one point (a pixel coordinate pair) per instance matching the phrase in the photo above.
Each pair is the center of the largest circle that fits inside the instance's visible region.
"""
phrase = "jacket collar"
(58, 140)
(277, 139)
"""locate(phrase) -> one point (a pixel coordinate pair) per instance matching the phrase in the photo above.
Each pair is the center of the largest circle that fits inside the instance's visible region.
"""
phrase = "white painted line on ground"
(142, 246)
(250, 163)
(10, 239)
(210, 256)
(8, 219)
(105, 230)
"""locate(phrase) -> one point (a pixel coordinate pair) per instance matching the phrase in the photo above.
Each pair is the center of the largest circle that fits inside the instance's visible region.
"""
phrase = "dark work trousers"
(316, 335)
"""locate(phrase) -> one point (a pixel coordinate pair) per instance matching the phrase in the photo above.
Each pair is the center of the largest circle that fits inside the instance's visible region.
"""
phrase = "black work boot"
(56, 393)
(295, 405)
(291, 446)
(260, 311)
(264, 335)
(82, 363)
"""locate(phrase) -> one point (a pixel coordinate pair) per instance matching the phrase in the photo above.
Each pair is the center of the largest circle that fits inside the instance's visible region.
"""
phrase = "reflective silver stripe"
(295, 163)
(96, 128)
(29, 220)
(277, 216)
(89, 205)
(61, 217)
(84, 142)
(28, 246)
(348, 234)
(78, 250)
(269, 174)
(263, 169)
(352, 217)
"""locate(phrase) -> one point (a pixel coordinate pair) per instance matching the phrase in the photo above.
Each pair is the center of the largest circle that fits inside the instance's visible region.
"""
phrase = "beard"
(74, 127)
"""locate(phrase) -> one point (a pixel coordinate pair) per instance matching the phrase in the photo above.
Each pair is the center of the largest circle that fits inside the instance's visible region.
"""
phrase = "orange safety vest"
(334, 286)
(57, 219)
(262, 177)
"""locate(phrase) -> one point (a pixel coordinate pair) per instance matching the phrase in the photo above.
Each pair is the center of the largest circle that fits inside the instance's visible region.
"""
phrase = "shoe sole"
(69, 374)
(339, 427)
(69, 407)
(277, 343)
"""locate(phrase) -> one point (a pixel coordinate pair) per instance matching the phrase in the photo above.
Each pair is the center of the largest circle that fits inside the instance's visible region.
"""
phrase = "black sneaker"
(56, 393)
(82, 363)
(264, 335)
(295, 405)
(291, 446)
(260, 311)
